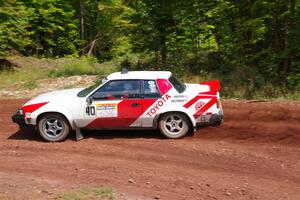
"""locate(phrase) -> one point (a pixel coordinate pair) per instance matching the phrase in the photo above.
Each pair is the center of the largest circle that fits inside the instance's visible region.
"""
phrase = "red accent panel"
(214, 85)
(164, 85)
(209, 92)
(205, 107)
(191, 102)
(33, 107)
(126, 114)
(196, 98)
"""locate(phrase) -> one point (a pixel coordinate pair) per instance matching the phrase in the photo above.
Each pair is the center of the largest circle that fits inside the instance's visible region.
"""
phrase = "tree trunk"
(287, 26)
(163, 50)
(277, 39)
(81, 31)
(93, 43)
(276, 28)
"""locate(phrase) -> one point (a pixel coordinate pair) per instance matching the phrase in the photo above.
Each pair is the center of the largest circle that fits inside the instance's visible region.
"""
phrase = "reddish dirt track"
(255, 154)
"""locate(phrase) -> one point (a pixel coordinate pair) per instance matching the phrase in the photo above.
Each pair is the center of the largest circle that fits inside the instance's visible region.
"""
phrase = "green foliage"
(107, 23)
(245, 44)
(83, 66)
(137, 62)
(13, 23)
(30, 84)
(53, 27)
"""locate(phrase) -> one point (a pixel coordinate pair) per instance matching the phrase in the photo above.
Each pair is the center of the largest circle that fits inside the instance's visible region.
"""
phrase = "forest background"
(251, 46)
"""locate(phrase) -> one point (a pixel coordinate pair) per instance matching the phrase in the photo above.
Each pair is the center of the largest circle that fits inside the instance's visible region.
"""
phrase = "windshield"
(88, 90)
(180, 87)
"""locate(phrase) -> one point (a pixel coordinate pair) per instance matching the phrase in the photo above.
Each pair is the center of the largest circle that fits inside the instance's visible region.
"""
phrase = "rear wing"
(214, 87)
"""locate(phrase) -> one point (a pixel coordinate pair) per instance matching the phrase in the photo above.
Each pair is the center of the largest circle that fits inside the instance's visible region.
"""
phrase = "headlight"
(27, 115)
(20, 111)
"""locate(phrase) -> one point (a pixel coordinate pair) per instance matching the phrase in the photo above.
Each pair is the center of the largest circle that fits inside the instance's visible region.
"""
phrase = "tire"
(174, 125)
(53, 127)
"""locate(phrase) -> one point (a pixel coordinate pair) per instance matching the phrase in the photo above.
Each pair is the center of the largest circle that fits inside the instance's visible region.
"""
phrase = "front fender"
(52, 109)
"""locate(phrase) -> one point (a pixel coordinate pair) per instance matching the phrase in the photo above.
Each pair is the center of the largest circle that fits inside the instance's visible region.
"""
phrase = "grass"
(32, 69)
(30, 84)
(89, 194)
(85, 66)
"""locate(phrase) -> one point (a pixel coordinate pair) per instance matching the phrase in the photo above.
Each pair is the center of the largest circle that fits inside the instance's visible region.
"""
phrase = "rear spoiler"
(214, 85)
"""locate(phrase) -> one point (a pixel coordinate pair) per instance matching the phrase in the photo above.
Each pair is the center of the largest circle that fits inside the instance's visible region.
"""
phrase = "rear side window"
(150, 89)
(119, 89)
(180, 87)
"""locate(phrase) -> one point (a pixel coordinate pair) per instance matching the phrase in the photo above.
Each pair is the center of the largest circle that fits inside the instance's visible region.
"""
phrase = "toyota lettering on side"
(125, 100)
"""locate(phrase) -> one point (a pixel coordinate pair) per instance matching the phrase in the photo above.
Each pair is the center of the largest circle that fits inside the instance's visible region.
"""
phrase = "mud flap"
(194, 130)
(79, 135)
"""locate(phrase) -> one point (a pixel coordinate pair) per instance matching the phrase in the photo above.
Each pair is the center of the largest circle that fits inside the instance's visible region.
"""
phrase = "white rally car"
(124, 100)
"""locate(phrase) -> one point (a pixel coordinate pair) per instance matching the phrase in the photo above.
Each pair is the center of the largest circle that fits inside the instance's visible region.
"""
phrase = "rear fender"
(178, 109)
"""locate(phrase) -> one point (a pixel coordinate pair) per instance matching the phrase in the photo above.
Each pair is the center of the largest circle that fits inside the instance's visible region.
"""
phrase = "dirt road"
(255, 154)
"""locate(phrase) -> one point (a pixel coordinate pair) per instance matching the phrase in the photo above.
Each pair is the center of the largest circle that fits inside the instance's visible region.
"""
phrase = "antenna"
(124, 70)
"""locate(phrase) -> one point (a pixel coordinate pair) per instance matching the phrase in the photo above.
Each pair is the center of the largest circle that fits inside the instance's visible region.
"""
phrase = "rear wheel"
(174, 125)
(53, 127)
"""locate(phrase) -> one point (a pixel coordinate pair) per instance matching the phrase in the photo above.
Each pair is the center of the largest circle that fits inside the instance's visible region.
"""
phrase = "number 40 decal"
(90, 110)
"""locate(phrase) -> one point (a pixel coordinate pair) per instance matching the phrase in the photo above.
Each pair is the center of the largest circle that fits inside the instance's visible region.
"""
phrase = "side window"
(150, 89)
(119, 89)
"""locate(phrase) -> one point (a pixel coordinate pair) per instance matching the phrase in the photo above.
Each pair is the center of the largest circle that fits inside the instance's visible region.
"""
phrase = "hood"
(55, 96)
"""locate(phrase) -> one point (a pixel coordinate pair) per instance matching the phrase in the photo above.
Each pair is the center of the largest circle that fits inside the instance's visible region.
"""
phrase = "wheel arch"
(159, 116)
(55, 112)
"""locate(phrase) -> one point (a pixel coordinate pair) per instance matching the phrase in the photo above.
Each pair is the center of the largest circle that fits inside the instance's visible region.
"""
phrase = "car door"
(117, 104)
(150, 94)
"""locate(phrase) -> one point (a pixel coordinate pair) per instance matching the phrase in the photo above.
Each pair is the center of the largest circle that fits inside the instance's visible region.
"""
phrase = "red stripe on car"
(191, 102)
(195, 99)
(33, 107)
(205, 107)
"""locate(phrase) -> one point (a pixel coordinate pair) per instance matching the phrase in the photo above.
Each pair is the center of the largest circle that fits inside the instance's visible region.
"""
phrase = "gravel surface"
(255, 154)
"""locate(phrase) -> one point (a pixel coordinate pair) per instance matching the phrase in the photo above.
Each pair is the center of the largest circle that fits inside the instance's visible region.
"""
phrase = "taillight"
(218, 103)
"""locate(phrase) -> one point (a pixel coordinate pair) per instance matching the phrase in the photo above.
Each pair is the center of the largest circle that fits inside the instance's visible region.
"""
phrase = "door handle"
(135, 104)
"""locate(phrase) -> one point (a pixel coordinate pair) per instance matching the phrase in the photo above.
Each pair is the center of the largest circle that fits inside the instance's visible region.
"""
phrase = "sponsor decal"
(158, 105)
(204, 108)
(107, 110)
(152, 86)
(199, 105)
(178, 100)
(180, 96)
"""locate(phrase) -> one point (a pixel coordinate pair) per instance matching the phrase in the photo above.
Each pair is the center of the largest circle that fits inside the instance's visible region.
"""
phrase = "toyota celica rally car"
(125, 100)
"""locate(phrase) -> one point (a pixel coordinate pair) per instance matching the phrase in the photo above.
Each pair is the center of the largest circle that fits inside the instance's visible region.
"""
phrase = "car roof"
(140, 75)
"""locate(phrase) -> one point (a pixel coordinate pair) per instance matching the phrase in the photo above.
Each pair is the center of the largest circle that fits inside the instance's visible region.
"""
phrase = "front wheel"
(53, 127)
(174, 125)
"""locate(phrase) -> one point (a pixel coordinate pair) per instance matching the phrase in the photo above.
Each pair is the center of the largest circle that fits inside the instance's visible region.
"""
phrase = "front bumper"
(20, 120)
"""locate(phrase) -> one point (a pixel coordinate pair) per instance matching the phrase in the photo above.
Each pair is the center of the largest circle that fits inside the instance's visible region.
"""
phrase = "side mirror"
(89, 100)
